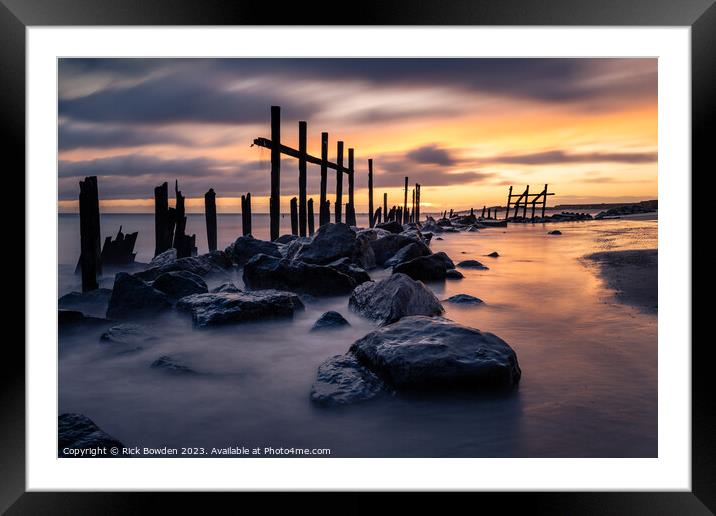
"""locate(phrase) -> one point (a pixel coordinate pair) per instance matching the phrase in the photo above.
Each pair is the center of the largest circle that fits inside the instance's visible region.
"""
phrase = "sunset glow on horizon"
(466, 129)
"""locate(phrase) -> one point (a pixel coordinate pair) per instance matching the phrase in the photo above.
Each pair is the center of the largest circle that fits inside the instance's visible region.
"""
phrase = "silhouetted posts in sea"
(183, 243)
(302, 196)
(371, 215)
(294, 216)
(324, 212)
(350, 207)
(338, 205)
(164, 219)
(404, 211)
(311, 223)
(90, 262)
(275, 200)
(210, 215)
(246, 214)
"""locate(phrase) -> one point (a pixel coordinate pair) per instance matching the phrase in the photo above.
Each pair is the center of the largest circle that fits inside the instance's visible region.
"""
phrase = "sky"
(466, 129)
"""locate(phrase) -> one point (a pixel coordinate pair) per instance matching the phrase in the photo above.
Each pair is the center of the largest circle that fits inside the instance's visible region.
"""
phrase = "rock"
(226, 287)
(472, 229)
(386, 247)
(285, 239)
(90, 302)
(341, 380)
(70, 319)
(165, 258)
(215, 262)
(433, 353)
(427, 236)
(472, 264)
(78, 432)
(465, 220)
(390, 299)
(432, 227)
(493, 254)
(177, 284)
(373, 233)
(127, 337)
(453, 274)
(330, 321)
(450, 230)
(246, 247)
(332, 242)
(132, 297)
(444, 222)
(345, 266)
(239, 307)
(264, 271)
(464, 299)
(555, 232)
(393, 226)
(426, 268)
(170, 365)
(407, 253)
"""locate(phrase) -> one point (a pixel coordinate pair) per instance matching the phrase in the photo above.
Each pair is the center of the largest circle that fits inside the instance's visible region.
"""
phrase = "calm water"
(589, 384)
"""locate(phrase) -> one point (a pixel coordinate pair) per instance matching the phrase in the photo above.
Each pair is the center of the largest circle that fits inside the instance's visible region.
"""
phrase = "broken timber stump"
(119, 251)
(183, 243)
(294, 216)
(210, 215)
(324, 214)
(246, 214)
(311, 223)
(371, 215)
(302, 214)
(350, 208)
(275, 200)
(164, 220)
(338, 205)
(90, 256)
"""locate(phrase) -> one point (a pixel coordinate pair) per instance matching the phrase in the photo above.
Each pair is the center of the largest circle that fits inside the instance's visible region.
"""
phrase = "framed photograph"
(435, 248)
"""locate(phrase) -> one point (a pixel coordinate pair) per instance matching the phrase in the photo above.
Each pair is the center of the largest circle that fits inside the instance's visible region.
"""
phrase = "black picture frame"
(17, 15)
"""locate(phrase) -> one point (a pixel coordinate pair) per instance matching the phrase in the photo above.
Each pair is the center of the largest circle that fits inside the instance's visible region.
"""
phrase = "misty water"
(589, 364)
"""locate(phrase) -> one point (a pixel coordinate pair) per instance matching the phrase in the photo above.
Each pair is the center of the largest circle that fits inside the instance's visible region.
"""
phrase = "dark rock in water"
(78, 432)
(127, 337)
(246, 247)
(348, 268)
(90, 302)
(555, 232)
(439, 238)
(132, 297)
(393, 226)
(330, 321)
(407, 253)
(493, 254)
(170, 365)
(341, 380)
(390, 299)
(386, 247)
(215, 262)
(226, 287)
(285, 239)
(453, 274)
(426, 268)
(68, 319)
(448, 229)
(178, 284)
(333, 242)
(165, 258)
(432, 227)
(427, 236)
(464, 299)
(472, 229)
(433, 353)
(239, 307)
(264, 271)
(465, 220)
(472, 264)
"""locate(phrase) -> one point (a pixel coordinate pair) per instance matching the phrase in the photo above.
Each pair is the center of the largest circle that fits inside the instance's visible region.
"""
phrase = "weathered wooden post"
(412, 210)
(544, 202)
(371, 214)
(294, 216)
(509, 200)
(183, 243)
(311, 223)
(385, 206)
(378, 215)
(162, 240)
(302, 216)
(484, 208)
(351, 209)
(275, 200)
(246, 214)
(324, 214)
(338, 205)
(405, 202)
(90, 262)
(489, 211)
(527, 196)
(210, 215)
(417, 202)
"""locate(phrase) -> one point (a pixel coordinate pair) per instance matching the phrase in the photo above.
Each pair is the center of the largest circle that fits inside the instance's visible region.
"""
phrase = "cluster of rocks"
(630, 209)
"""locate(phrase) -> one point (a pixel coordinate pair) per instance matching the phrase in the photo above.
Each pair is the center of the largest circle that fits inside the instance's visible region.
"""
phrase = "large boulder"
(78, 432)
(333, 242)
(92, 302)
(246, 247)
(392, 225)
(177, 284)
(263, 271)
(348, 268)
(464, 299)
(407, 253)
(434, 353)
(341, 380)
(432, 227)
(127, 338)
(165, 258)
(134, 298)
(386, 247)
(220, 308)
(472, 264)
(426, 268)
(330, 321)
(215, 262)
(397, 296)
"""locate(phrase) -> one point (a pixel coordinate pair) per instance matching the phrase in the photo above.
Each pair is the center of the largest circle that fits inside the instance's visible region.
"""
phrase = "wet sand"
(632, 274)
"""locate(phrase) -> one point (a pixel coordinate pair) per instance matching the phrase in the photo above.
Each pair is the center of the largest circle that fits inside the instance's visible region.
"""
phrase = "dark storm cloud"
(431, 155)
(556, 157)
(70, 137)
